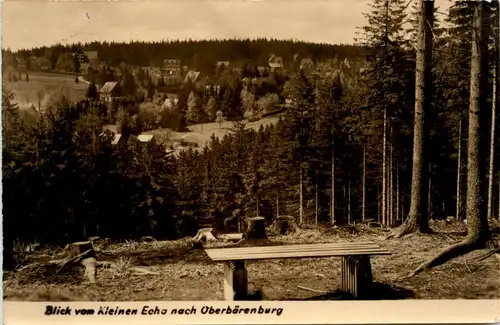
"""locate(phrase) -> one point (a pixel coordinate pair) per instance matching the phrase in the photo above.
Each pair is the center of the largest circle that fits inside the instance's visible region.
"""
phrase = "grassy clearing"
(178, 272)
(200, 134)
(26, 92)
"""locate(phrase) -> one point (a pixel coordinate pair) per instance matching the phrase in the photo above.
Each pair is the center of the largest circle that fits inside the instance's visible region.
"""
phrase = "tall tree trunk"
(391, 182)
(277, 204)
(349, 200)
(363, 201)
(491, 172)
(478, 232)
(459, 172)
(257, 202)
(384, 172)
(397, 191)
(417, 217)
(332, 194)
(301, 207)
(429, 197)
(379, 204)
(495, 103)
(345, 201)
(316, 201)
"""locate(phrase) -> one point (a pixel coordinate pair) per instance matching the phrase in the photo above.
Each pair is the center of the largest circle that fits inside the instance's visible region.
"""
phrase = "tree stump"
(81, 247)
(203, 235)
(283, 224)
(84, 252)
(256, 228)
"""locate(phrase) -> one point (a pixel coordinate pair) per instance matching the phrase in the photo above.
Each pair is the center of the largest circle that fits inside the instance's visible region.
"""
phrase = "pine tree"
(212, 108)
(91, 92)
(418, 216)
(195, 112)
(299, 121)
(387, 77)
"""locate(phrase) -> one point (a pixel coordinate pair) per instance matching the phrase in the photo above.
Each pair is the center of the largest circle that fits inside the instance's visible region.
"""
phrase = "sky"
(33, 23)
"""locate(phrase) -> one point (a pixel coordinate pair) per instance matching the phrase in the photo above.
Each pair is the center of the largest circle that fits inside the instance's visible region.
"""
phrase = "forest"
(342, 153)
(199, 55)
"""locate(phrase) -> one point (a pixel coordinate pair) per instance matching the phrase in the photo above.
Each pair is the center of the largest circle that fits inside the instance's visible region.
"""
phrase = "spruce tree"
(388, 78)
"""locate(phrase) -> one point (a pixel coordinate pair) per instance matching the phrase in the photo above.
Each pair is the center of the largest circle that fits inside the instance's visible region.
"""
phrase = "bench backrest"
(295, 251)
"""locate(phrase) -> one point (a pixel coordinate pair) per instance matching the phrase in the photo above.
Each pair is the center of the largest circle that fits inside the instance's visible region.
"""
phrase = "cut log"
(231, 237)
(256, 228)
(284, 224)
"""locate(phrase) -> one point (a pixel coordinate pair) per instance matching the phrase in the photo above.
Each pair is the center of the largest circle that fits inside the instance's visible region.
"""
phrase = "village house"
(306, 65)
(109, 90)
(171, 101)
(142, 141)
(171, 66)
(193, 77)
(154, 72)
(148, 139)
(224, 64)
(275, 63)
(86, 57)
(91, 55)
(261, 69)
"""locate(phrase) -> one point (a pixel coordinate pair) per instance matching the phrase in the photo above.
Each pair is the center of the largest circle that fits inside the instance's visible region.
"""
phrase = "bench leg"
(356, 275)
(235, 281)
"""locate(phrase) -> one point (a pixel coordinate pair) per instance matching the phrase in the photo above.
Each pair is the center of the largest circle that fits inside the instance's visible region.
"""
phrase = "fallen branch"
(28, 266)
(313, 290)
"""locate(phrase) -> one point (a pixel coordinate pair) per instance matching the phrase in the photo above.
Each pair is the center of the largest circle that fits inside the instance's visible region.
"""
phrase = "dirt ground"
(175, 271)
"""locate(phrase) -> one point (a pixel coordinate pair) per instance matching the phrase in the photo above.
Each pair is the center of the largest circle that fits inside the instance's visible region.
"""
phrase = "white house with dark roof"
(109, 90)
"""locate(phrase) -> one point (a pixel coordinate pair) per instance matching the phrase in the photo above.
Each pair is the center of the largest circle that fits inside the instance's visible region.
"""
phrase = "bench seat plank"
(295, 251)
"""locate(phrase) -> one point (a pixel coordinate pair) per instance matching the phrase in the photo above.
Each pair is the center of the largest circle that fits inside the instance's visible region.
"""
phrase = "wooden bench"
(356, 273)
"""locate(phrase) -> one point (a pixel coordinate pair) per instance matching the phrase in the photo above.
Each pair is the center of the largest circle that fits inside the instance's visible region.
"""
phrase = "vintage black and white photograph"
(274, 150)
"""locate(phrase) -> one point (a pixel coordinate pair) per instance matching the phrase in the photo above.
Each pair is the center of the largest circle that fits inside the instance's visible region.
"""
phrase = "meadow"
(41, 84)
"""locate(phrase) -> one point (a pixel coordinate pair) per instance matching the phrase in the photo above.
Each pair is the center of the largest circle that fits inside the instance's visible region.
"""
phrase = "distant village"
(162, 85)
